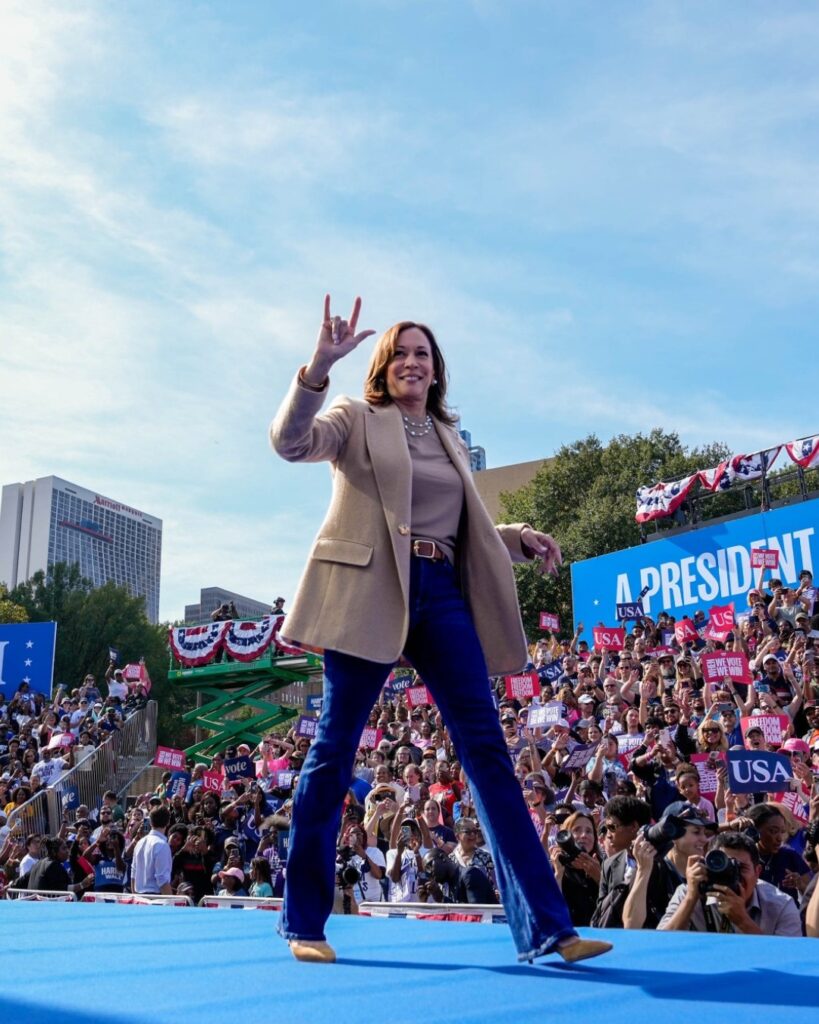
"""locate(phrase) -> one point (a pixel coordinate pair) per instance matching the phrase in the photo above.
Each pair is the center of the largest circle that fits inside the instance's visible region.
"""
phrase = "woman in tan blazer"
(407, 562)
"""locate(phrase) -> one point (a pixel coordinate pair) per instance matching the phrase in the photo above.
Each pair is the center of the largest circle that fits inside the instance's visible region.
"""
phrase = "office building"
(477, 455)
(49, 520)
(211, 598)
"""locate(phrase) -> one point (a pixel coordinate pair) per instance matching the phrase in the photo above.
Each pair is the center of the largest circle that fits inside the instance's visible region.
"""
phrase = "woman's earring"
(434, 380)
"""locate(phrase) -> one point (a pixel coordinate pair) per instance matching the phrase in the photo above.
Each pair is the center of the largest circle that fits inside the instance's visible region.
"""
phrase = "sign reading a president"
(27, 656)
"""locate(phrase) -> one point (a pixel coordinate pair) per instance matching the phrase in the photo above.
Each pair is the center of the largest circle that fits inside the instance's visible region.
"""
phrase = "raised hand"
(337, 338)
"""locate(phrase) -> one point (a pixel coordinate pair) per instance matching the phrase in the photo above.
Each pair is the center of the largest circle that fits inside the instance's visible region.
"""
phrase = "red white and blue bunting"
(805, 452)
(193, 646)
(663, 499)
(197, 645)
(245, 641)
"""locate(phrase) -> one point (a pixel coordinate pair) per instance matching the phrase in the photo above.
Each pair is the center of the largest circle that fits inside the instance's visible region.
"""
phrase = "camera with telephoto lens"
(346, 873)
(722, 870)
(569, 850)
(662, 834)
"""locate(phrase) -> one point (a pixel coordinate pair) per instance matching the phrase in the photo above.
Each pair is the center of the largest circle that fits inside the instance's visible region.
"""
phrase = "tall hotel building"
(50, 520)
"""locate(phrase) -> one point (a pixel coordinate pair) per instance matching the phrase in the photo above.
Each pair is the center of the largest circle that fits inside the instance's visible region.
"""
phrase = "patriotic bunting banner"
(662, 499)
(196, 645)
(245, 641)
(715, 479)
(804, 453)
(751, 467)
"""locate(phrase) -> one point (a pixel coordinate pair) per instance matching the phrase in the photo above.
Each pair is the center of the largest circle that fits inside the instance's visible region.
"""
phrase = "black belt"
(429, 549)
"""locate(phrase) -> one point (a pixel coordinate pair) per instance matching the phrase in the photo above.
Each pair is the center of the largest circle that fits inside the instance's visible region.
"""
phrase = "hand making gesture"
(337, 338)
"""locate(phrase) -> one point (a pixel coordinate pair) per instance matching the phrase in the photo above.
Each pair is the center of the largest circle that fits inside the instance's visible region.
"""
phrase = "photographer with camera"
(359, 867)
(662, 852)
(723, 893)
(576, 863)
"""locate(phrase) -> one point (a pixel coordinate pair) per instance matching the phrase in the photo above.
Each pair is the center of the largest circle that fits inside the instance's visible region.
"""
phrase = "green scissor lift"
(226, 687)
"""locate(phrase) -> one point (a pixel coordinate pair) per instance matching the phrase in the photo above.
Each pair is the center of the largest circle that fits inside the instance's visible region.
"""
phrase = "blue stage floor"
(100, 964)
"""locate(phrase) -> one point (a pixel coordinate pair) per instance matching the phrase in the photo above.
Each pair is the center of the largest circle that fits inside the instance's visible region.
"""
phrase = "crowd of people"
(42, 738)
(637, 835)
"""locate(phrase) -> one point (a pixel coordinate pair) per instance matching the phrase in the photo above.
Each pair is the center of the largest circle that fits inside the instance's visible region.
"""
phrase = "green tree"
(10, 612)
(585, 498)
(89, 621)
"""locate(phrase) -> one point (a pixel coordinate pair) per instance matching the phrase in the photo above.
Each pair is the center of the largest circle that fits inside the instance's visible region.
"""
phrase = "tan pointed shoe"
(583, 949)
(312, 952)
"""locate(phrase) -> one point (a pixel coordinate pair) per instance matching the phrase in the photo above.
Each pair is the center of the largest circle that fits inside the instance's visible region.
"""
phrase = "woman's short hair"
(375, 384)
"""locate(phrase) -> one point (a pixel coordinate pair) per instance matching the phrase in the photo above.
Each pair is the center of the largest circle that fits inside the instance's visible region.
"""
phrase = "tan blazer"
(354, 594)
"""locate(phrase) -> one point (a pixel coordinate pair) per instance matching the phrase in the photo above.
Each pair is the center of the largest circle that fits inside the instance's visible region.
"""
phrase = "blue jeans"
(443, 646)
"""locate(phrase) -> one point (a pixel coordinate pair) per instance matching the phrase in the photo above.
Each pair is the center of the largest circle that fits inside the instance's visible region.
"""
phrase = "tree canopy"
(585, 498)
(92, 619)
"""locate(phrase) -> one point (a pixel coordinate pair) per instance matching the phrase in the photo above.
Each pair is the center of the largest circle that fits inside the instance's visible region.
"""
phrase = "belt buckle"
(418, 548)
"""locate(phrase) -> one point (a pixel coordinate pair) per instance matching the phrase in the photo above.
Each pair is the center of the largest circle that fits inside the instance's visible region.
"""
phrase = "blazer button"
(403, 529)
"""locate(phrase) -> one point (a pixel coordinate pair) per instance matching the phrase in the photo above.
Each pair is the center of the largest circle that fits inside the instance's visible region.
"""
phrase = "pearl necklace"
(421, 429)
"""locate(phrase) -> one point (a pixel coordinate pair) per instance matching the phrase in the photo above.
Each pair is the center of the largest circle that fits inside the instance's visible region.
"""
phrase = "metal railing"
(40, 895)
(117, 760)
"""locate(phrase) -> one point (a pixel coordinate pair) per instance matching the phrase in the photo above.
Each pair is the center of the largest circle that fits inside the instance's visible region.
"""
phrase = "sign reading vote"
(239, 768)
(527, 684)
(761, 558)
(543, 715)
(630, 611)
(549, 621)
(757, 771)
(720, 665)
(306, 727)
(170, 758)
(613, 638)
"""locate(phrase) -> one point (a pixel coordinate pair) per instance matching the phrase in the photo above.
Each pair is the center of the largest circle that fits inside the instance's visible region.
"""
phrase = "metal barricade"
(241, 902)
(41, 895)
(478, 913)
(119, 758)
(141, 899)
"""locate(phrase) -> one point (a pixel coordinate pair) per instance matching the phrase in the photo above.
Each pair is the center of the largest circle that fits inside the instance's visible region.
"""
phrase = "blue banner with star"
(27, 656)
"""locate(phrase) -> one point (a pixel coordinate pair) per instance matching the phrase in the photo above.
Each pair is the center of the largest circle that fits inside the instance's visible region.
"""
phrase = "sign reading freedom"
(700, 568)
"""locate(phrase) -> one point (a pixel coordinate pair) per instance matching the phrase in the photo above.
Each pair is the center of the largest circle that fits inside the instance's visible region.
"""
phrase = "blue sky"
(607, 211)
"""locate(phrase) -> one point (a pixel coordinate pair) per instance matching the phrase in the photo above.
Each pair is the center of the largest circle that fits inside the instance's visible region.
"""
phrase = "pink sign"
(418, 695)
(720, 665)
(686, 632)
(658, 652)
(527, 684)
(370, 738)
(764, 558)
(613, 638)
(706, 765)
(212, 782)
(169, 757)
(797, 803)
(773, 727)
(549, 621)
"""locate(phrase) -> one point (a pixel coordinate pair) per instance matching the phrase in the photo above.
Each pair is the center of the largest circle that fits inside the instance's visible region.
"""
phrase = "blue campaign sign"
(630, 611)
(27, 656)
(239, 768)
(549, 673)
(314, 702)
(692, 570)
(757, 771)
